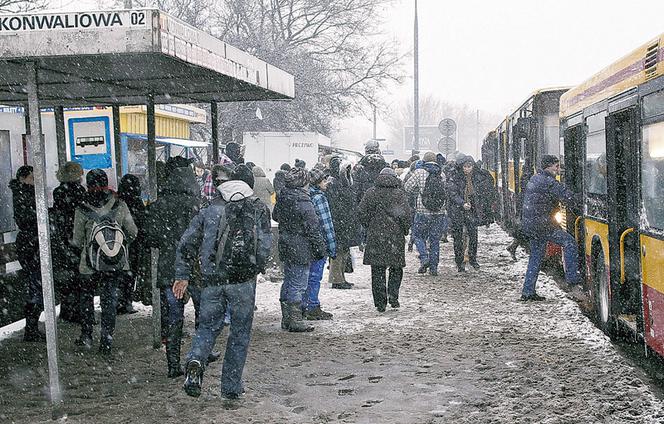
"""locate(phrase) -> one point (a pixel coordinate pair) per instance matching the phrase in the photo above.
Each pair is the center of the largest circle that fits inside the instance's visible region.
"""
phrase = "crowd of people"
(213, 231)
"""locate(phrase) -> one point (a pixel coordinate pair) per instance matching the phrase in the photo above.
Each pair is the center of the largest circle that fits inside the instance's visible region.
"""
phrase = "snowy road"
(461, 349)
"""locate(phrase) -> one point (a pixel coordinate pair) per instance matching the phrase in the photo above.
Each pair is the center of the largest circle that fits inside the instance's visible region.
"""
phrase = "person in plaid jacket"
(318, 180)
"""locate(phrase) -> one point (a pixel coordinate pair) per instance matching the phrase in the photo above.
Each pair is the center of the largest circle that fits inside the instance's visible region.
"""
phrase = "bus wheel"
(602, 295)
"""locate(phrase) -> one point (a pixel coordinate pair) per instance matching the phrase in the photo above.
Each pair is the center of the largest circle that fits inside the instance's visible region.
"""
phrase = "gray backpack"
(106, 247)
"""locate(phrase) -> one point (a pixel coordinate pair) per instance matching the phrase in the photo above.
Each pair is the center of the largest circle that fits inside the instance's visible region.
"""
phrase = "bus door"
(623, 212)
(573, 177)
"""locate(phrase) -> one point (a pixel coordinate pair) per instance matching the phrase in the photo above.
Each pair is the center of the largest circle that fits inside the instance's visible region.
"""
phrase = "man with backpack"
(103, 229)
(428, 183)
(232, 239)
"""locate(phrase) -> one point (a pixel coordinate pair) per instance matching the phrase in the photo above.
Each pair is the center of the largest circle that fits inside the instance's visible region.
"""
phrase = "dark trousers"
(380, 294)
(108, 284)
(457, 234)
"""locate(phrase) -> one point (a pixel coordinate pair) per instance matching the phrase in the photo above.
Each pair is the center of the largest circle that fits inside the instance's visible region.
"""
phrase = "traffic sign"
(447, 127)
(447, 145)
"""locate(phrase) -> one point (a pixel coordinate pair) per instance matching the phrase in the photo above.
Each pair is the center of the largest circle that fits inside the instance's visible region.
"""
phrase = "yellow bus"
(613, 139)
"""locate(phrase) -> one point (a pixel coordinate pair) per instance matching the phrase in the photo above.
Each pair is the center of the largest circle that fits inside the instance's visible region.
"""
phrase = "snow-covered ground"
(461, 349)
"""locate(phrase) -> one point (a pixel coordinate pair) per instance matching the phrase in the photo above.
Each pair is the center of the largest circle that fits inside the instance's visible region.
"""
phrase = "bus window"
(652, 174)
(596, 154)
(551, 135)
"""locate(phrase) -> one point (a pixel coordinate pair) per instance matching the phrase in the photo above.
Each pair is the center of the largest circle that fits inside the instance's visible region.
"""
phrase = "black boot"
(296, 323)
(173, 342)
(32, 333)
(285, 319)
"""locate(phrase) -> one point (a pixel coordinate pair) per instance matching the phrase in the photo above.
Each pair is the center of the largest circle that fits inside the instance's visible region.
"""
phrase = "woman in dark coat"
(300, 244)
(27, 249)
(385, 214)
(342, 199)
(129, 191)
(69, 195)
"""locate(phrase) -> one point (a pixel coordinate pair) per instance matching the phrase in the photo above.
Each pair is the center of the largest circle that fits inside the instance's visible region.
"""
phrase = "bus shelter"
(113, 58)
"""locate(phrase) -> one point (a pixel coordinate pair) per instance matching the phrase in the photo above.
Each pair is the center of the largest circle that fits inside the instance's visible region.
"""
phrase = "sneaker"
(342, 286)
(193, 378)
(474, 264)
(532, 298)
(84, 341)
(317, 314)
(423, 269)
(461, 268)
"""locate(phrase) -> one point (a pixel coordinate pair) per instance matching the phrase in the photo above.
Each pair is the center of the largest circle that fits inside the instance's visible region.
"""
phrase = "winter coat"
(83, 227)
(168, 218)
(300, 239)
(366, 172)
(415, 186)
(279, 181)
(263, 188)
(342, 200)
(66, 198)
(541, 199)
(25, 216)
(385, 213)
(481, 202)
(200, 238)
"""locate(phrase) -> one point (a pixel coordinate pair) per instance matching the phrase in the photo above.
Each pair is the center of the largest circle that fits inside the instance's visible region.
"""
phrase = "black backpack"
(106, 247)
(433, 195)
(237, 246)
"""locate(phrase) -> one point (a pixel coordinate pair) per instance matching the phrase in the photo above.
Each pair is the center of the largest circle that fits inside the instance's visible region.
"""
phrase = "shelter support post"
(117, 145)
(152, 196)
(60, 135)
(214, 112)
(39, 156)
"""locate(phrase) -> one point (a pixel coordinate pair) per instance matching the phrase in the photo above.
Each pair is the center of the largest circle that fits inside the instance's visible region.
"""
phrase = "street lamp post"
(416, 100)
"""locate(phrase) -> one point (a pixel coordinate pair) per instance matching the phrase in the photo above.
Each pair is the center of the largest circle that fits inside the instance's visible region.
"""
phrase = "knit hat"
(243, 173)
(388, 171)
(96, 180)
(222, 173)
(317, 175)
(297, 177)
(371, 147)
(299, 163)
(548, 160)
(429, 157)
(466, 159)
(70, 172)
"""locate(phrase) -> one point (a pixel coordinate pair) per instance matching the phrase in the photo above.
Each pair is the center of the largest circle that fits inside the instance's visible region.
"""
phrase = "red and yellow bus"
(613, 137)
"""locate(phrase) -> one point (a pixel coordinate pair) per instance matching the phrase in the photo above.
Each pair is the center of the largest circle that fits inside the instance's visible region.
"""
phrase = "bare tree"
(14, 6)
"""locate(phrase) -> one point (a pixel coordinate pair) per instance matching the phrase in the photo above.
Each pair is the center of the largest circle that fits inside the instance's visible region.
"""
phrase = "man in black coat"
(541, 199)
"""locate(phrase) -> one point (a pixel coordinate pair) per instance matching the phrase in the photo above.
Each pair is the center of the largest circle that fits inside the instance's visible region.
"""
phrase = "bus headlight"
(558, 217)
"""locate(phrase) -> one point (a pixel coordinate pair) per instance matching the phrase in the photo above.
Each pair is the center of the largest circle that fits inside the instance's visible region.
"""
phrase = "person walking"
(231, 238)
(318, 183)
(300, 244)
(343, 206)
(68, 196)
(263, 188)
(428, 183)
(385, 213)
(27, 249)
(470, 205)
(541, 199)
(103, 230)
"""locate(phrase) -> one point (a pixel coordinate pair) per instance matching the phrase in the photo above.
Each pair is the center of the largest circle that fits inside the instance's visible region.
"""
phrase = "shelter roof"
(122, 56)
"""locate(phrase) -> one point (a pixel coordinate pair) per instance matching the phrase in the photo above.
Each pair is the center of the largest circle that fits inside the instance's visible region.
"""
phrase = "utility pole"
(478, 144)
(416, 94)
(374, 122)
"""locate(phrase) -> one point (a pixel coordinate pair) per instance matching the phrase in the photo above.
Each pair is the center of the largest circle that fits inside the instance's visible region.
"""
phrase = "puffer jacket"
(200, 238)
(342, 200)
(541, 199)
(25, 216)
(366, 172)
(300, 238)
(263, 188)
(481, 202)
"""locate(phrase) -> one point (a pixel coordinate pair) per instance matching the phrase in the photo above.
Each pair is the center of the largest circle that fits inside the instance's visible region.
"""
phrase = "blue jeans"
(537, 251)
(295, 282)
(428, 230)
(176, 306)
(214, 302)
(310, 299)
